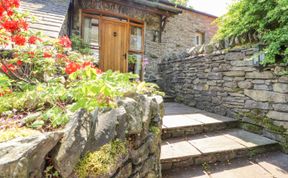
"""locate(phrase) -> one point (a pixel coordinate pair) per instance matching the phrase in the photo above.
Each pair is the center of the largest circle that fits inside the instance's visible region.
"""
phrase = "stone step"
(213, 147)
(268, 165)
(182, 121)
(168, 98)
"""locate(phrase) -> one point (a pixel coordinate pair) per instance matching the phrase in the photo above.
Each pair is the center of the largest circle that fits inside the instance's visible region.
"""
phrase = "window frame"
(199, 38)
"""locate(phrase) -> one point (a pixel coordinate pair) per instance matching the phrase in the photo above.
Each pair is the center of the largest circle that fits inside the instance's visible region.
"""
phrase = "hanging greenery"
(180, 2)
(267, 18)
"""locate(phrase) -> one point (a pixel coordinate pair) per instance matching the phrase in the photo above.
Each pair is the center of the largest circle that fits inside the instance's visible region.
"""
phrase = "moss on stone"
(268, 123)
(155, 130)
(254, 115)
(179, 99)
(9, 134)
(251, 127)
(237, 89)
(264, 121)
(284, 147)
(256, 151)
(102, 161)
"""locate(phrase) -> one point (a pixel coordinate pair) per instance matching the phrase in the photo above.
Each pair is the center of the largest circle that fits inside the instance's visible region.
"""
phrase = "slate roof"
(50, 15)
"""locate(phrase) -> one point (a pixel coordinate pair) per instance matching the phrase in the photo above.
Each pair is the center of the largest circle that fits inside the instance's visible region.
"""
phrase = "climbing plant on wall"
(180, 2)
(267, 18)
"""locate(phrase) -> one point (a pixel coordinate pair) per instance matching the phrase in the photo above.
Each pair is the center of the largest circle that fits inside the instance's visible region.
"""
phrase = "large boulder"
(67, 153)
(84, 133)
(25, 157)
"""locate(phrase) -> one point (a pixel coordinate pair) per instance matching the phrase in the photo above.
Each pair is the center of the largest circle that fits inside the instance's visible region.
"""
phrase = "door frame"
(111, 16)
(124, 66)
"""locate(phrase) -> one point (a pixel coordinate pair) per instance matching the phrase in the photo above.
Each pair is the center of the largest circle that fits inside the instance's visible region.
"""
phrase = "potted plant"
(132, 59)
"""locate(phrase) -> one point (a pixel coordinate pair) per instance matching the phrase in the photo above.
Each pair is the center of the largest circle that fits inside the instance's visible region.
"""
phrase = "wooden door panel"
(113, 46)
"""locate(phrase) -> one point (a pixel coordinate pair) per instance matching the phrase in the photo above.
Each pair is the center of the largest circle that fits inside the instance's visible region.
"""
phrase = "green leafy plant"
(132, 59)
(149, 89)
(78, 44)
(268, 19)
(90, 90)
(50, 172)
(180, 2)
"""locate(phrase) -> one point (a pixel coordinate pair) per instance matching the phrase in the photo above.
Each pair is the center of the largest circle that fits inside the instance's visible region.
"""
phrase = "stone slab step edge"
(169, 98)
(185, 131)
(216, 156)
(223, 156)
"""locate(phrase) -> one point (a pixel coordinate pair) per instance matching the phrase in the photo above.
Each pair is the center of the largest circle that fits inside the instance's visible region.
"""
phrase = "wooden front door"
(114, 46)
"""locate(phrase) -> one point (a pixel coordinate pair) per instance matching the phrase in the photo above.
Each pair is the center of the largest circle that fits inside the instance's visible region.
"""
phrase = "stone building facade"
(181, 31)
(178, 35)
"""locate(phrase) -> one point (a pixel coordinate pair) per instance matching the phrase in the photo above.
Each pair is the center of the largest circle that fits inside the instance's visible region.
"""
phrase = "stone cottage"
(125, 35)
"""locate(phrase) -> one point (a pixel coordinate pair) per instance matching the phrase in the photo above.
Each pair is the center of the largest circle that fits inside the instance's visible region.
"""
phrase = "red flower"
(11, 3)
(87, 64)
(33, 39)
(47, 55)
(8, 5)
(60, 56)
(10, 12)
(65, 42)
(2, 10)
(11, 25)
(98, 71)
(19, 62)
(11, 67)
(72, 67)
(4, 69)
(6, 91)
(31, 54)
(19, 40)
(23, 24)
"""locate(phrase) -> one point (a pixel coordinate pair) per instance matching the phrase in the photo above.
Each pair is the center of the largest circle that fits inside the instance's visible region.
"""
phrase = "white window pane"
(91, 31)
(136, 38)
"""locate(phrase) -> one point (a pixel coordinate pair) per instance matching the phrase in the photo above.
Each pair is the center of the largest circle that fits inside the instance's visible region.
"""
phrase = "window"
(136, 49)
(136, 38)
(199, 38)
(91, 34)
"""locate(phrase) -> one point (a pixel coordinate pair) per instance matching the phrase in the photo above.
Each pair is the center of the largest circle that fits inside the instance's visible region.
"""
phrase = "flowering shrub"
(45, 77)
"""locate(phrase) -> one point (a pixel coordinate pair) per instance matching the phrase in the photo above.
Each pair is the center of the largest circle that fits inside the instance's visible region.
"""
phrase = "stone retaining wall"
(226, 82)
(137, 122)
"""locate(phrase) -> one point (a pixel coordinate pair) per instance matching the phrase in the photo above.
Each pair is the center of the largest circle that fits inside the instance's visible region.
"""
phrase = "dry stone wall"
(226, 82)
(137, 122)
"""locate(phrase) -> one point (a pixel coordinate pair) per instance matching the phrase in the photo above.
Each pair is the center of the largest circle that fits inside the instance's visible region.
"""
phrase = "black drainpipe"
(70, 17)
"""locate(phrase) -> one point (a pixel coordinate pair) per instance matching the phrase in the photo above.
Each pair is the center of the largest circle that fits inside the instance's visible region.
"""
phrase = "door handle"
(125, 56)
